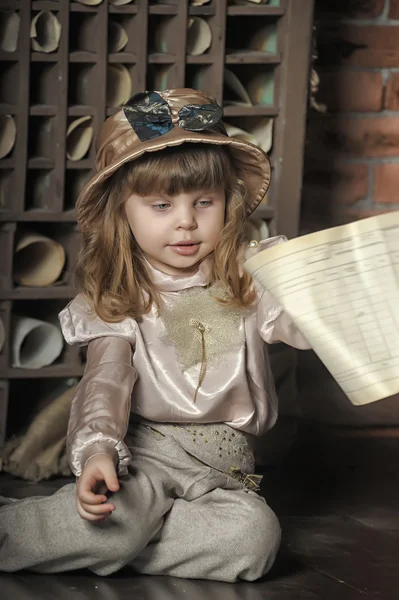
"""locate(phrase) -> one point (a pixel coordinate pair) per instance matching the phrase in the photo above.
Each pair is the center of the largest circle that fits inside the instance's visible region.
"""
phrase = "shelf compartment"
(250, 85)
(122, 79)
(9, 77)
(44, 81)
(257, 130)
(123, 33)
(161, 76)
(83, 33)
(27, 347)
(200, 75)
(83, 84)
(75, 180)
(33, 256)
(162, 35)
(39, 189)
(10, 21)
(247, 34)
(200, 36)
(7, 189)
(41, 140)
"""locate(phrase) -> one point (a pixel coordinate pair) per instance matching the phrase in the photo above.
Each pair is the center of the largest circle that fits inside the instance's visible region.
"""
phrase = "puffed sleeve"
(274, 324)
(100, 409)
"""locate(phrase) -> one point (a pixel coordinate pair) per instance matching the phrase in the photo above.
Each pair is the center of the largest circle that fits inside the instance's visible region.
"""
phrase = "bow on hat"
(149, 115)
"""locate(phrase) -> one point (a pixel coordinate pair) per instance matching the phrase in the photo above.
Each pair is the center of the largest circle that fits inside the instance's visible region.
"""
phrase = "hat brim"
(252, 164)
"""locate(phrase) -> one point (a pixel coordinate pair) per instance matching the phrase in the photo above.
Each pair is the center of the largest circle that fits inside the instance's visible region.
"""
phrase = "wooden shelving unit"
(44, 92)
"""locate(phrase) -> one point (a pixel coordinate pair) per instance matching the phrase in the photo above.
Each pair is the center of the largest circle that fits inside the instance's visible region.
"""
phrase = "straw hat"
(152, 121)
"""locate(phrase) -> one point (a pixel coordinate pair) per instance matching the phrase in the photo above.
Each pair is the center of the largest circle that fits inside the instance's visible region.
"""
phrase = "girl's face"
(177, 232)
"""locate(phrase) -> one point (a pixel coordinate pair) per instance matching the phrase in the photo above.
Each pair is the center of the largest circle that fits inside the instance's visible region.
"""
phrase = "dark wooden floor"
(338, 500)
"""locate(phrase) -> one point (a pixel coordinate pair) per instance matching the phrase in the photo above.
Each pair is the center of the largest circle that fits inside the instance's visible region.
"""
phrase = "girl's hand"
(98, 476)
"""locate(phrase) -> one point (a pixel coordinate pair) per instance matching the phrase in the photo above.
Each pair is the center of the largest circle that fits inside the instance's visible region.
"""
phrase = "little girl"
(177, 380)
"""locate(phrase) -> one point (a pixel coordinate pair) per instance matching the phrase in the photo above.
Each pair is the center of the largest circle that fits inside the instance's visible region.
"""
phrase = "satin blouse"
(192, 361)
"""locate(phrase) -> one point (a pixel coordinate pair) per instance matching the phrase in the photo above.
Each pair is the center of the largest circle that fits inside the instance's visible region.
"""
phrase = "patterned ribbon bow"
(149, 115)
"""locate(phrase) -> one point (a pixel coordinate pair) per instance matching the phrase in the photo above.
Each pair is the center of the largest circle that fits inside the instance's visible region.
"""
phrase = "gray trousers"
(174, 516)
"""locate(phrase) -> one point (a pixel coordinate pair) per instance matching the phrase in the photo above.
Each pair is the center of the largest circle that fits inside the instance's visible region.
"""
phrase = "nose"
(186, 218)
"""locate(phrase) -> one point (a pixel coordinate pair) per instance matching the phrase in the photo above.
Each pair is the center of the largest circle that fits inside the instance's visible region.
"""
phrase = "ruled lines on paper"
(341, 286)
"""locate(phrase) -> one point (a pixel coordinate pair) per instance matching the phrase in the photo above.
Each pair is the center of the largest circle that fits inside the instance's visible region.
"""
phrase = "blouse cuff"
(119, 453)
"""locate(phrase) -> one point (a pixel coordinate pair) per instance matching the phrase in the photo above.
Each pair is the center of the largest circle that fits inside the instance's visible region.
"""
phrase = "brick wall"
(352, 150)
(351, 163)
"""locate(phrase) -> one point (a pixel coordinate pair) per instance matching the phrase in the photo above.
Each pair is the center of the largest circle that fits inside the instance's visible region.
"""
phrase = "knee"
(260, 538)
(122, 539)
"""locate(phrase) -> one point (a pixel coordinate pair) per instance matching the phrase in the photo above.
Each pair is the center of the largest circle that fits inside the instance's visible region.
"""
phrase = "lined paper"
(341, 287)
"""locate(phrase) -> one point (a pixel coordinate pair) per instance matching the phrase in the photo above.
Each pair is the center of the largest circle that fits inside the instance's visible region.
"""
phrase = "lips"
(186, 248)
(186, 243)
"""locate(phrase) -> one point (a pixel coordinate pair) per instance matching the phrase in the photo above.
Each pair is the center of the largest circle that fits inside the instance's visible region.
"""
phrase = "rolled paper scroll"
(9, 31)
(261, 88)
(45, 32)
(235, 93)
(78, 138)
(249, 2)
(8, 133)
(265, 39)
(90, 2)
(258, 131)
(240, 134)
(120, 2)
(119, 85)
(262, 130)
(35, 344)
(199, 36)
(38, 260)
(117, 37)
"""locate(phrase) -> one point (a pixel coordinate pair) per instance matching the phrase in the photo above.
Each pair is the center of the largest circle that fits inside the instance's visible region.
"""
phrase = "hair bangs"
(181, 169)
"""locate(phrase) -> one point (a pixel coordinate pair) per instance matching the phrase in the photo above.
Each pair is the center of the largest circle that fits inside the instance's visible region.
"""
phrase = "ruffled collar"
(174, 283)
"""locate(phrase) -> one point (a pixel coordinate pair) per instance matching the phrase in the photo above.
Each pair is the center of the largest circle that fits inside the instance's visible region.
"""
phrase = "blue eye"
(161, 207)
(204, 203)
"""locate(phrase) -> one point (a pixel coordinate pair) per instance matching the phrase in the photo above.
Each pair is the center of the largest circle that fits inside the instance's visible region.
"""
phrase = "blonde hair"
(111, 270)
